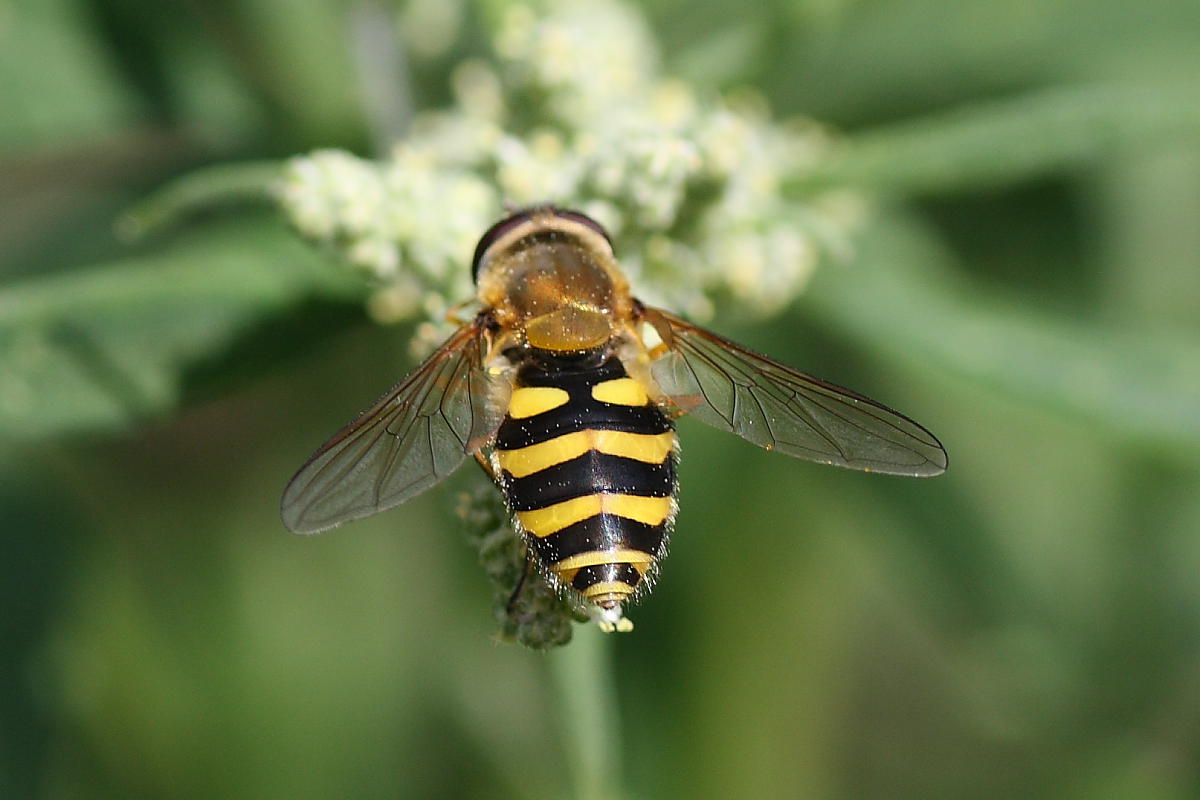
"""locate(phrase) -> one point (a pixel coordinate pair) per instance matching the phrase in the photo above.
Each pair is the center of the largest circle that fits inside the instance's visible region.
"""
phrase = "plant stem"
(201, 189)
(584, 678)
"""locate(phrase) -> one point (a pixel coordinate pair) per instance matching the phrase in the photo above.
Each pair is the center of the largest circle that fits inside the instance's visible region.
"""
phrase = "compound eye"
(495, 232)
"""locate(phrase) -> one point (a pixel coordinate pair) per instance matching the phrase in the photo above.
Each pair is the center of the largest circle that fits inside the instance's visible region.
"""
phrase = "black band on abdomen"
(591, 473)
(579, 413)
(604, 532)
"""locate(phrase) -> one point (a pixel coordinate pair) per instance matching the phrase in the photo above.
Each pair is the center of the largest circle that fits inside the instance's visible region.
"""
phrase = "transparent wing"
(779, 408)
(414, 436)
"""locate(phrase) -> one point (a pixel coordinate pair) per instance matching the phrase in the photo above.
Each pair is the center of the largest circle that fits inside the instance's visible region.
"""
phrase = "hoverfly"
(565, 388)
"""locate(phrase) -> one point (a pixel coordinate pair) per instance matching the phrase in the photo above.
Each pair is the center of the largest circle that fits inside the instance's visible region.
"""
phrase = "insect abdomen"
(587, 465)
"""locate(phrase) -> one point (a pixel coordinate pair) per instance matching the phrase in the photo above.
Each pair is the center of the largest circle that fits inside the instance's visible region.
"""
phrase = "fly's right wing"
(414, 436)
(779, 408)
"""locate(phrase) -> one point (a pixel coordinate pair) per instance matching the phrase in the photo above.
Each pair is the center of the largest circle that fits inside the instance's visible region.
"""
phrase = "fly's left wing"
(415, 435)
(779, 408)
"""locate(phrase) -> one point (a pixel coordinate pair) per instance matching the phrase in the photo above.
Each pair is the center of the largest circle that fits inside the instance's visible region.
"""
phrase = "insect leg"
(455, 314)
(516, 592)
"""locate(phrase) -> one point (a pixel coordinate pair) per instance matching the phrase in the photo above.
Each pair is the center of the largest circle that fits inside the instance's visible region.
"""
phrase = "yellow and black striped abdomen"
(587, 465)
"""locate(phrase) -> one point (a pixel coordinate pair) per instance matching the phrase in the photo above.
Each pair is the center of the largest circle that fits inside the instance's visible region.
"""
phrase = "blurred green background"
(1027, 625)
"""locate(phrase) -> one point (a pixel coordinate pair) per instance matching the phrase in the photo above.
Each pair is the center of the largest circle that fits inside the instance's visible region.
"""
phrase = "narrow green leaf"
(1141, 385)
(99, 348)
(1006, 141)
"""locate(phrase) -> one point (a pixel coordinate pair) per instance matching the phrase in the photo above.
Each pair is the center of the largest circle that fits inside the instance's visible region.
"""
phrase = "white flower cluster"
(573, 112)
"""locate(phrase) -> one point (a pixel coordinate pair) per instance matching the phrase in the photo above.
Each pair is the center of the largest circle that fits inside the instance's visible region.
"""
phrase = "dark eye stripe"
(519, 218)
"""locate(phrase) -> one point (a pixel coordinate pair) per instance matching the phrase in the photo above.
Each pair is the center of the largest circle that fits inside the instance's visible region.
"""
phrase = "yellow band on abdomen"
(638, 559)
(621, 391)
(652, 448)
(551, 519)
(619, 589)
(530, 401)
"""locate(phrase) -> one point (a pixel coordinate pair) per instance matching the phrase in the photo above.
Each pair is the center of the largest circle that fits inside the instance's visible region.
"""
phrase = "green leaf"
(900, 299)
(296, 55)
(99, 348)
(991, 144)
(56, 82)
